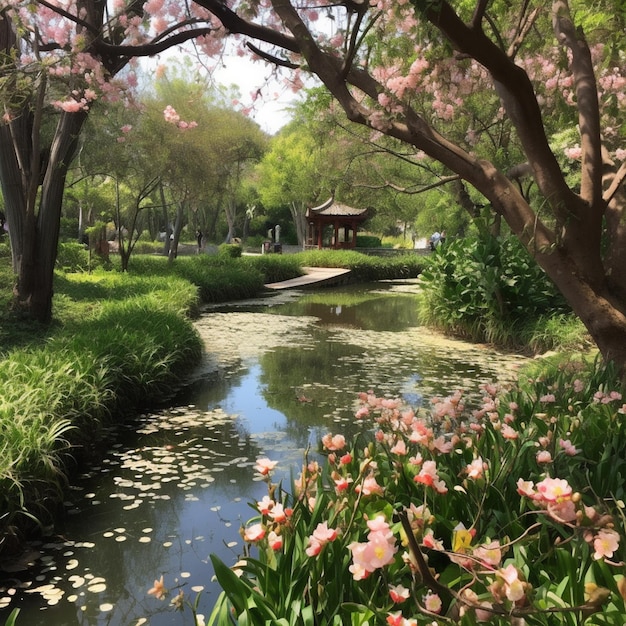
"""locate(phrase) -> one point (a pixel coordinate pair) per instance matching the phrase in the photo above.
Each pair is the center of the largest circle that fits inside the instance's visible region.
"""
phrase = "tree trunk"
(298, 214)
(34, 230)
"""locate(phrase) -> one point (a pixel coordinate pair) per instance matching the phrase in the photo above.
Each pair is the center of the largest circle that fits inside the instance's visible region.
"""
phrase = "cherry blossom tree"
(409, 69)
(57, 59)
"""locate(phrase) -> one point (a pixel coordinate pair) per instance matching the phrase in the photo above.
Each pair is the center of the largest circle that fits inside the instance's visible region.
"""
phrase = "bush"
(486, 290)
(368, 241)
(229, 250)
(73, 257)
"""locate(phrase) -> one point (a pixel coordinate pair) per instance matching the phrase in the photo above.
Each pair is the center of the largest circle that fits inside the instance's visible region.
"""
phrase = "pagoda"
(333, 225)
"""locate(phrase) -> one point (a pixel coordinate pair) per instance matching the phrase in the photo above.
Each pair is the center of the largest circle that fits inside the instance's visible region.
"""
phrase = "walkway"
(314, 277)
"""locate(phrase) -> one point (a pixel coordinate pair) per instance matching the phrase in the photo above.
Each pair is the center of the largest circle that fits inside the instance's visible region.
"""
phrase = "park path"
(313, 277)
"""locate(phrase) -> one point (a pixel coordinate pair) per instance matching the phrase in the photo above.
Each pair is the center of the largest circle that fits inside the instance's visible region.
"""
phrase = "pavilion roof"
(332, 208)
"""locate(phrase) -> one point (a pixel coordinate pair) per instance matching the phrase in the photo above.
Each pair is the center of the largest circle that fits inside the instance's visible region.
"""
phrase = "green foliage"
(479, 528)
(486, 289)
(368, 241)
(121, 342)
(275, 267)
(229, 250)
(68, 229)
(364, 267)
(73, 257)
(218, 278)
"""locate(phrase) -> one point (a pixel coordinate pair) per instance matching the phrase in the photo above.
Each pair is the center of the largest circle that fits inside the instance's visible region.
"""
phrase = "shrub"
(229, 250)
(368, 241)
(73, 257)
(485, 289)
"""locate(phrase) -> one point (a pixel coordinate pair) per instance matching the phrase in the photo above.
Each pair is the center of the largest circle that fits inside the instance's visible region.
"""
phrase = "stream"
(279, 372)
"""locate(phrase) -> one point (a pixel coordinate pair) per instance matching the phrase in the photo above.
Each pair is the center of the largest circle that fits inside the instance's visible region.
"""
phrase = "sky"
(270, 111)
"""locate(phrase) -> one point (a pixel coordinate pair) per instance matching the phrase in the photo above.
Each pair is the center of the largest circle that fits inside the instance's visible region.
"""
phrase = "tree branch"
(587, 101)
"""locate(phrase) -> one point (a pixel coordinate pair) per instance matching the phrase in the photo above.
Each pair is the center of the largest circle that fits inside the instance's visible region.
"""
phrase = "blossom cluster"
(445, 471)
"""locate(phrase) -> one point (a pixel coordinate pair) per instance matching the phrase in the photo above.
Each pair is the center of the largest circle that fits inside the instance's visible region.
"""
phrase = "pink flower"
(334, 442)
(376, 552)
(399, 448)
(548, 398)
(314, 548)
(170, 115)
(441, 445)
(278, 513)
(264, 466)
(429, 540)
(563, 511)
(526, 488)
(275, 541)
(475, 469)
(568, 448)
(254, 533)
(554, 489)
(489, 553)
(508, 432)
(323, 534)
(514, 588)
(346, 459)
(428, 476)
(432, 602)
(341, 484)
(395, 619)
(605, 544)
(370, 487)
(362, 412)
(265, 505)
(544, 456)
(398, 593)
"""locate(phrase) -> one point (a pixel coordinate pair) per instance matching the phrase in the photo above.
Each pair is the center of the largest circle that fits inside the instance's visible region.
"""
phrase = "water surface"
(278, 374)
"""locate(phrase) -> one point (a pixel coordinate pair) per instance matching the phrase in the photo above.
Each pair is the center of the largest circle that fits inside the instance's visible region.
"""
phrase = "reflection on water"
(175, 487)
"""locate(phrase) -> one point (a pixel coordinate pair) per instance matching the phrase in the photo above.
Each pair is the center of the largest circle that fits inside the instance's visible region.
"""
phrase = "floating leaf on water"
(120, 538)
(167, 544)
(72, 598)
(97, 587)
(77, 581)
(104, 608)
(4, 602)
(72, 564)
(145, 539)
(185, 574)
(231, 544)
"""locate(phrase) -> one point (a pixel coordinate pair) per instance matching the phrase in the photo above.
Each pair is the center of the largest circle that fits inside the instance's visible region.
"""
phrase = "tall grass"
(490, 290)
(119, 343)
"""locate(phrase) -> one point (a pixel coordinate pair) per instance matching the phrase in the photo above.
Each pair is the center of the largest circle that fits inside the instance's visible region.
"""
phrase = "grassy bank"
(118, 343)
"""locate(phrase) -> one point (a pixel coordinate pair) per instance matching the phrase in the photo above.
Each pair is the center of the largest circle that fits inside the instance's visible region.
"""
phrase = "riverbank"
(119, 342)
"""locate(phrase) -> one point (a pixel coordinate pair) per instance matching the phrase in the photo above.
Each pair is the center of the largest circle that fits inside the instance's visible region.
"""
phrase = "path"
(314, 276)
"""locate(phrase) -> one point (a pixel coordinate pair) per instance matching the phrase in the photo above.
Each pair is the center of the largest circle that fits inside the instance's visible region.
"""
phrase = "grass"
(118, 343)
